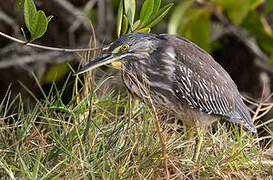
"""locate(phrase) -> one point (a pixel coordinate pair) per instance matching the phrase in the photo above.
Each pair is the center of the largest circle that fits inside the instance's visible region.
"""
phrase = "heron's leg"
(198, 144)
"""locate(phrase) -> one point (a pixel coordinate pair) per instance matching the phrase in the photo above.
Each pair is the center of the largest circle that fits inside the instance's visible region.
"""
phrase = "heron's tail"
(241, 114)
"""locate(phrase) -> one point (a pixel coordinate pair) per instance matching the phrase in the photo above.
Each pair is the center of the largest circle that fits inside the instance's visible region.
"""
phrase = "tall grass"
(46, 142)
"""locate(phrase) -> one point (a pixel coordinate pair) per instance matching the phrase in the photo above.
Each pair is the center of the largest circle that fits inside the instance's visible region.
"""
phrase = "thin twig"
(248, 39)
(265, 66)
(265, 123)
(89, 5)
(4, 118)
(85, 93)
(74, 12)
(90, 79)
(259, 106)
(144, 92)
(162, 140)
(263, 113)
(45, 47)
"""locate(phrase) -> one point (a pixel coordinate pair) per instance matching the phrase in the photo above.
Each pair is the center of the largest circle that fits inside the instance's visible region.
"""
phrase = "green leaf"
(37, 164)
(38, 26)
(58, 71)
(179, 17)
(146, 11)
(49, 18)
(239, 12)
(198, 28)
(236, 10)
(144, 30)
(119, 18)
(269, 6)
(135, 25)
(159, 16)
(19, 4)
(115, 5)
(130, 9)
(24, 34)
(255, 3)
(157, 4)
(124, 25)
(29, 12)
(254, 25)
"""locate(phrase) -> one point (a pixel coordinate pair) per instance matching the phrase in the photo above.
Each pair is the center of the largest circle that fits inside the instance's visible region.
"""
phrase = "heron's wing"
(203, 84)
(207, 95)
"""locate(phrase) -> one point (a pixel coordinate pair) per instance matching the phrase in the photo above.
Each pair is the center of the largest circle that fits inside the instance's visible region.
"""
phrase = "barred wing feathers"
(203, 84)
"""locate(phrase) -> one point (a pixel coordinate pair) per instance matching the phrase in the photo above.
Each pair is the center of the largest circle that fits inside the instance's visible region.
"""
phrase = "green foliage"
(57, 72)
(255, 4)
(36, 21)
(269, 6)
(150, 15)
(146, 11)
(253, 23)
(179, 17)
(19, 4)
(119, 18)
(124, 25)
(156, 18)
(243, 13)
(192, 23)
(38, 25)
(199, 27)
(29, 12)
(144, 30)
(236, 9)
(156, 5)
(130, 9)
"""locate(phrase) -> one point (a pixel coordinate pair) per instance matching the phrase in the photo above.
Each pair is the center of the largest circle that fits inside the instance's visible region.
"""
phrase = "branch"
(248, 39)
(89, 5)
(264, 66)
(78, 15)
(46, 47)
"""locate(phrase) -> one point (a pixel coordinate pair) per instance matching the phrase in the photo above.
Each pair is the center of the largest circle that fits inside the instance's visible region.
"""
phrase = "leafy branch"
(36, 21)
(150, 15)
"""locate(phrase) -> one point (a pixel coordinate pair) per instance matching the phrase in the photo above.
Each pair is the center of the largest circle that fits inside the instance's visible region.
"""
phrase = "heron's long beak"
(102, 60)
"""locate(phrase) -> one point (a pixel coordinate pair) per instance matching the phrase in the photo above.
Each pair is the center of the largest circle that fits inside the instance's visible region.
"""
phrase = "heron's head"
(133, 46)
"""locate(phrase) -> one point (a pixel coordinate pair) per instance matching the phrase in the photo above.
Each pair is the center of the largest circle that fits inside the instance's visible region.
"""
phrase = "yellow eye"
(124, 47)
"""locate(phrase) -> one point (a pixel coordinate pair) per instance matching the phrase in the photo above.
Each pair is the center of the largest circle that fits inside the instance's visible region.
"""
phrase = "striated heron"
(179, 76)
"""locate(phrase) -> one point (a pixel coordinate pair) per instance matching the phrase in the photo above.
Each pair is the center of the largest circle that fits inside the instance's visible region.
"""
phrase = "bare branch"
(244, 36)
(78, 15)
(89, 5)
(45, 47)
(267, 67)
